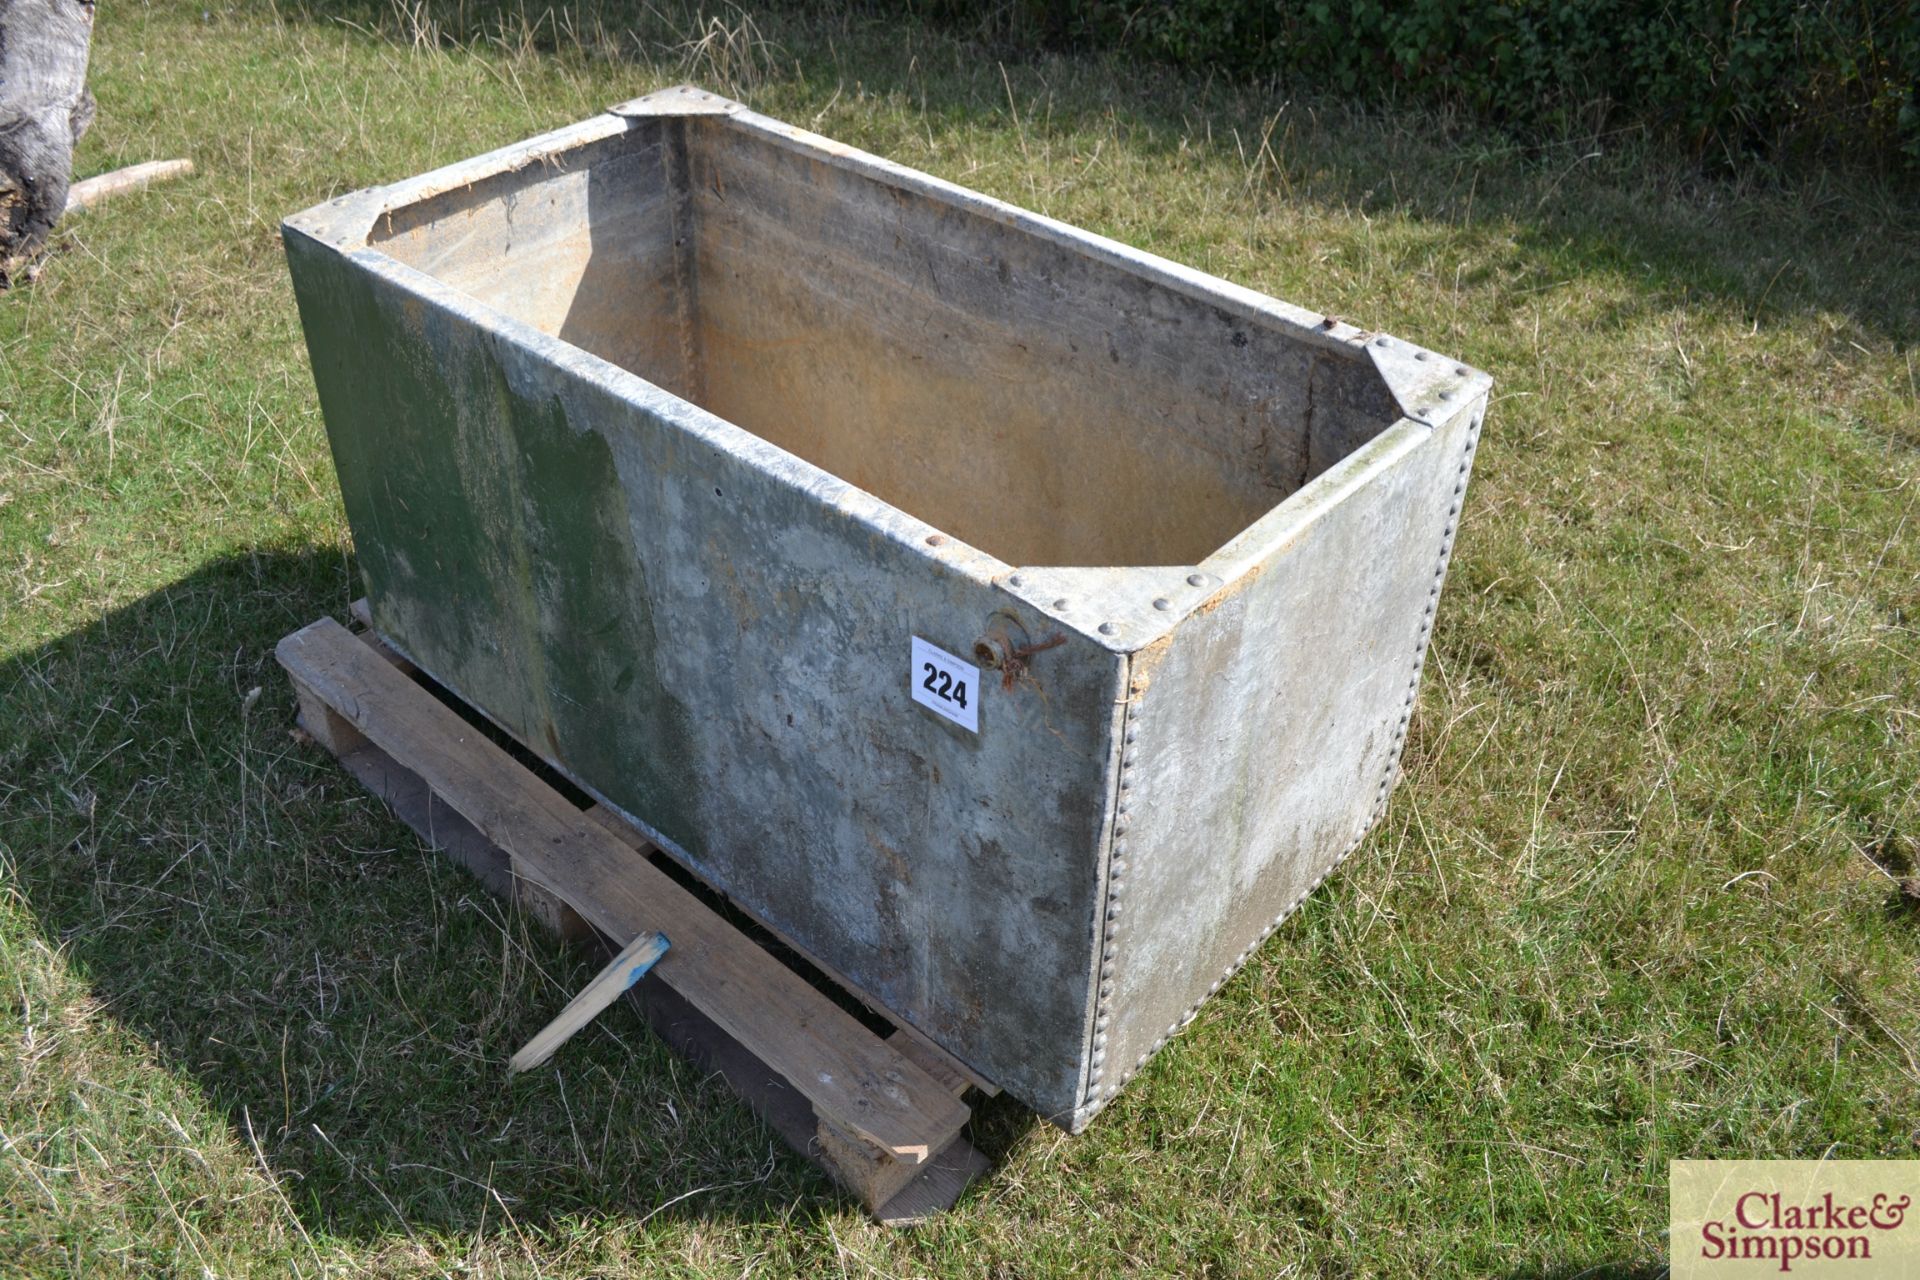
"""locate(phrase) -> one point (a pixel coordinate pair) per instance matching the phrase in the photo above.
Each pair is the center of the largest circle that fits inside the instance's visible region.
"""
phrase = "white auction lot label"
(944, 684)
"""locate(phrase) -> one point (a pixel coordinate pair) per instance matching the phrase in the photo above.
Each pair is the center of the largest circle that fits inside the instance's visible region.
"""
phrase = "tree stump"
(44, 108)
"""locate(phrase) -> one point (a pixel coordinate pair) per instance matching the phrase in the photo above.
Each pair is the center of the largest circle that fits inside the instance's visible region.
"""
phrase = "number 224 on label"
(945, 685)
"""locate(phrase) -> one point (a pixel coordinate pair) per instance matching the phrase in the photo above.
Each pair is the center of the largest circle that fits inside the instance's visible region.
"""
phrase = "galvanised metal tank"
(1019, 623)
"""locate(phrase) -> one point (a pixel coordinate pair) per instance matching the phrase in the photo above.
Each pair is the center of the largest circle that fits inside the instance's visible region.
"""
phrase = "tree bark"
(44, 108)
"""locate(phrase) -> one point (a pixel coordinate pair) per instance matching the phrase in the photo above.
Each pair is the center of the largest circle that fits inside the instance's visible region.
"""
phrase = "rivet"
(1196, 579)
(1380, 342)
(1446, 395)
(1460, 371)
(1420, 355)
(1100, 1023)
(935, 539)
(1119, 867)
(1060, 604)
(1014, 581)
(1106, 628)
(1163, 604)
(1113, 907)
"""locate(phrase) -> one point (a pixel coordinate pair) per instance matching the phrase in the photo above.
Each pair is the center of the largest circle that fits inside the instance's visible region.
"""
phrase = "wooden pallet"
(881, 1115)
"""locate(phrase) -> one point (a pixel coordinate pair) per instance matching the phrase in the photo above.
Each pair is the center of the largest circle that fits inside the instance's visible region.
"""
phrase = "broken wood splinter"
(608, 985)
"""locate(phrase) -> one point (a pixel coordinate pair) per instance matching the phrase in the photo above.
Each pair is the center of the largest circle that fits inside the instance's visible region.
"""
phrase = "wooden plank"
(608, 985)
(935, 1183)
(414, 803)
(692, 1034)
(849, 1077)
(548, 908)
(323, 724)
(938, 1186)
(932, 1059)
(362, 612)
(927, 1055)
(859, 1166)
(874, 1176)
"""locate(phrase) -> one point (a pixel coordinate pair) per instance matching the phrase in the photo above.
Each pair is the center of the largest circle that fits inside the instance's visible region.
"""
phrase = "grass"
(1639, 896)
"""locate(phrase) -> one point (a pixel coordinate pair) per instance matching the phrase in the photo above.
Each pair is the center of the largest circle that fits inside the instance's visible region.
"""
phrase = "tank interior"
(1034, 400)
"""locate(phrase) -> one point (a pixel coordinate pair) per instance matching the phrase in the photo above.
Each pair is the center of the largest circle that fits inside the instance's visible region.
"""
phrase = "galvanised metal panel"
(1263, 738)
(664, 437)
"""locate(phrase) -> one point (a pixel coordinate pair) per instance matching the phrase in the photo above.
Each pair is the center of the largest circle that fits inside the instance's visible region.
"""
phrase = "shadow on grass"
(1814, 242)
(346, 997)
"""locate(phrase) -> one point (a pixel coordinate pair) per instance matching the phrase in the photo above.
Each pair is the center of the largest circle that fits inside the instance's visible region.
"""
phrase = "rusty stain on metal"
(1002, 653)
